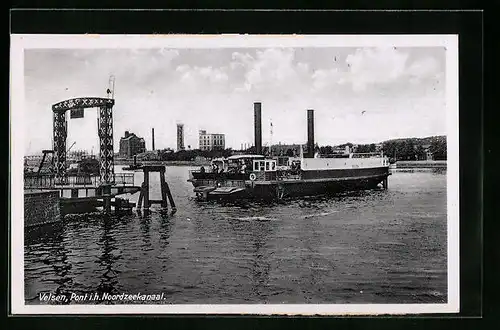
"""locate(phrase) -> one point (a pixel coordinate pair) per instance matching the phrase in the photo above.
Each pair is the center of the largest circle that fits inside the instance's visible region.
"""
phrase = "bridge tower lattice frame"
(105, 133)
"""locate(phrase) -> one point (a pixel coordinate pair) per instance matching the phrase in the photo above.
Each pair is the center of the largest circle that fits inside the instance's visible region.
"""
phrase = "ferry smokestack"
(310, 133)
(153, 137)
(258, 127)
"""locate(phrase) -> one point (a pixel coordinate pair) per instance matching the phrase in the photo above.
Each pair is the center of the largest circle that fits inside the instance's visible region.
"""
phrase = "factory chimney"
(153, 137)
(258, 127)
(310, 133)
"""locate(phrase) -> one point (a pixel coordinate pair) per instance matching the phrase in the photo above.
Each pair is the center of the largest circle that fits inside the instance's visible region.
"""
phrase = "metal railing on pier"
(34, 180)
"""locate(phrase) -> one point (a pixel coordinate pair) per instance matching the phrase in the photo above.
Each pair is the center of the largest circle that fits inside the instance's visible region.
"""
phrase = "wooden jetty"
(85, 194)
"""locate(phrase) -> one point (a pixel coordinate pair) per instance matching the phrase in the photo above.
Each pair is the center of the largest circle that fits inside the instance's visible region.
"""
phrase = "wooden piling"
(163, 189)
(146, 189)
(170, 198)
(118, 204)
(141, 196)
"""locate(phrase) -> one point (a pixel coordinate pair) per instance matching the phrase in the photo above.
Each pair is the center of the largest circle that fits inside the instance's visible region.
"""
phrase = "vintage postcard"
(234, 174)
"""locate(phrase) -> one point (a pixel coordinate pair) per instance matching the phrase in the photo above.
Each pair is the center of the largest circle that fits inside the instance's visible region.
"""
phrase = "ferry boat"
(256, 176)
(260, 177)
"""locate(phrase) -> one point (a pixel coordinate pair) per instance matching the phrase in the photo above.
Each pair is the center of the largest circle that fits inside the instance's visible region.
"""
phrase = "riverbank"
(163, 162)
(420, 164)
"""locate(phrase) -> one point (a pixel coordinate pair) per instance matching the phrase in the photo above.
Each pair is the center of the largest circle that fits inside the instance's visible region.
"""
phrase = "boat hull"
(309, 184)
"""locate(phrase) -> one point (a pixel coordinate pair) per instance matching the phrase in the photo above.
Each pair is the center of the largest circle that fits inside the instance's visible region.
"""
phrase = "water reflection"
(145, 225)
(252, 235)
(260, 232)
(47, 244)
(107, 259)
(165, 228)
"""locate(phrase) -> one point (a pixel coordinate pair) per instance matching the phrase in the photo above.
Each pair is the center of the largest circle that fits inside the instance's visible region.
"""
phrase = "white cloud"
(425, 68)
(271, 70)
(202, 77)
(370, 66)
(322, 79)
(169, 54)
(241, 60)
(133, 63)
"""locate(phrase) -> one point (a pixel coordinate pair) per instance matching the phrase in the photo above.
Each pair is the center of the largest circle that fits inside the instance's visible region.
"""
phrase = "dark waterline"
(384, 246)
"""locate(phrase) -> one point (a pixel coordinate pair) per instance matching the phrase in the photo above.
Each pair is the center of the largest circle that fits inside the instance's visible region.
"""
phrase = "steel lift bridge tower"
(105, 132)
(108, 187)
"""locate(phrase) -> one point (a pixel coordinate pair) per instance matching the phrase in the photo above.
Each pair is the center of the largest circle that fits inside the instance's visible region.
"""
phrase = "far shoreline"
(162, 162)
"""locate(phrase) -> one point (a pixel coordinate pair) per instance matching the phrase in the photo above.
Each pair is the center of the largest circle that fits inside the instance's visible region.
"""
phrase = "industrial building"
(209, 141)
(180, 137)
(131, 145)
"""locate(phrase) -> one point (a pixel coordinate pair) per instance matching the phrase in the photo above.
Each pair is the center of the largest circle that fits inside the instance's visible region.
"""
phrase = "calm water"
(367, 247)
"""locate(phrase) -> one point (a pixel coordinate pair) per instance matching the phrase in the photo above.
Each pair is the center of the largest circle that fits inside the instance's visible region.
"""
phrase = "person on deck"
(243, 168)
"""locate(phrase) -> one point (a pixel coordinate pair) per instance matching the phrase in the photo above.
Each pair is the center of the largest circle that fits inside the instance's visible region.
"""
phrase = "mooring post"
(118, 204)
(106, 193)
(141, 196)
(146, 189)
(170, 198)
(163, 189)
(385, 183)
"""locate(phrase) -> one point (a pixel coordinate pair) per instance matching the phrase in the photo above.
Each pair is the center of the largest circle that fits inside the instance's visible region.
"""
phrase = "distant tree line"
(415, 149)
(438, 150)
(365, 148)
(186, 155)
(360, 148)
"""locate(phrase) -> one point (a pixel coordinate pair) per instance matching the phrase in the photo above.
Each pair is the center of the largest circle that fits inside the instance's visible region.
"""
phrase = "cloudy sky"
(361, 95)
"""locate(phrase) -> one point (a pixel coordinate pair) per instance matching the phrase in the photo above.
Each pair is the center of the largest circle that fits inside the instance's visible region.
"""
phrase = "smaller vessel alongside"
(134, 166)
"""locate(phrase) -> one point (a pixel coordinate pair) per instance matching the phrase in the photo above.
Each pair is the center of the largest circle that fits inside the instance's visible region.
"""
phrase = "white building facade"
(208, 141)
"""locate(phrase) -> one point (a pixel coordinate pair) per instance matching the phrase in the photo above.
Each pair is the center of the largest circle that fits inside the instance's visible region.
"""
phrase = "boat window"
(267, 166)
(255, 166)
(273, 166)
(261, 163)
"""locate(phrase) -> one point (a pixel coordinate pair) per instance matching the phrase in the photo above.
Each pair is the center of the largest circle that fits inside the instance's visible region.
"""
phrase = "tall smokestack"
(153, 137)
(310, 133)
(258, 127)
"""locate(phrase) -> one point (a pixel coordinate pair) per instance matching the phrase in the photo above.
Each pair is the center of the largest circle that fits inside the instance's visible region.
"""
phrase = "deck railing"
(288, 175)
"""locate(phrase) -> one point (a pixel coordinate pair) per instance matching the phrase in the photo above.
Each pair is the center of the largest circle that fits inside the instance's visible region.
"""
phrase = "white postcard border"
(20, 42)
